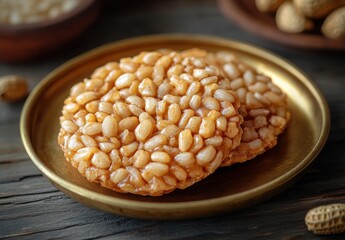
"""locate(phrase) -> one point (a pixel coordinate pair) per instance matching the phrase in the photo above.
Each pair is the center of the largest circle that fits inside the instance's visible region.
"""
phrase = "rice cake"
(150, 124)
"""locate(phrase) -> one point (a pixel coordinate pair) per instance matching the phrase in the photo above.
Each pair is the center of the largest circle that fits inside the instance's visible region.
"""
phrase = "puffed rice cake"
(263, 104)
(150, 124)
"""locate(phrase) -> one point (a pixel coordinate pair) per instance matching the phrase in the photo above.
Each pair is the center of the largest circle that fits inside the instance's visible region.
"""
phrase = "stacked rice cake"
(165, 120)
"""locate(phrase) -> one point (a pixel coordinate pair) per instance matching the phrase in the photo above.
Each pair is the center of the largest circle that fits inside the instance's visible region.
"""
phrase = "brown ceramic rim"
(225, 203)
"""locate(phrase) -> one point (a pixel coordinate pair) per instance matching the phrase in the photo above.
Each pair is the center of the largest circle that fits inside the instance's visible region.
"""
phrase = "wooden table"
(31, 208)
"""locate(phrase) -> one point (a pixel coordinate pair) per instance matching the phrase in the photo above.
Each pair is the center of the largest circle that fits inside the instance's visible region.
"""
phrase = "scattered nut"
(334, 25)
(289, 20)
(327, 219)
(13, 88)
(268, 5)
(317, 8)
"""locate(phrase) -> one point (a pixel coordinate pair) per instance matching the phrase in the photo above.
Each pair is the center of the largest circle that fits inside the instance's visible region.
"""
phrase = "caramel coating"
(263, 105)
(150, 124)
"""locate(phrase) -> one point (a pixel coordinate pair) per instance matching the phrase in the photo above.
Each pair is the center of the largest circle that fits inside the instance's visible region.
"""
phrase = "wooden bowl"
(246, 15)
(26, 41)
(229, 188)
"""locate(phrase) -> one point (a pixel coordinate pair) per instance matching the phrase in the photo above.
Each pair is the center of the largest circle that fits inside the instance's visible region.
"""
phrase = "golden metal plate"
(227, 189)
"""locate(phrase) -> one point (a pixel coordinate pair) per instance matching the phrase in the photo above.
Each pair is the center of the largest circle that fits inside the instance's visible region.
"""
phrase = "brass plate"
(229, 188)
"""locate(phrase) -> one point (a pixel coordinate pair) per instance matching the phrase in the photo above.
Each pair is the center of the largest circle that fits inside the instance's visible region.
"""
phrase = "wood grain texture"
(31, 208)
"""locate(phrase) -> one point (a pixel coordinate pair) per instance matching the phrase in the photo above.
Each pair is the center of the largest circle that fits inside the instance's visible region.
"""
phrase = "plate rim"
(136, 204)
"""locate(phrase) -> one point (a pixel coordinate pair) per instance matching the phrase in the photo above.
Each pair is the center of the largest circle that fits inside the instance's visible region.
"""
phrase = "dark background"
(31, 208)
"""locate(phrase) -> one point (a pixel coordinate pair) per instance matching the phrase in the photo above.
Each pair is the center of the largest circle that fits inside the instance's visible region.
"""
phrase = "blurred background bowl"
(26, 41)
(246, 15)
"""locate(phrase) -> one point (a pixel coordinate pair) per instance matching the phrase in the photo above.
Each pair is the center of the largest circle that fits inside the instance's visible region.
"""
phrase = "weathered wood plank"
(17, 171)
(81, 219)
(11, 147)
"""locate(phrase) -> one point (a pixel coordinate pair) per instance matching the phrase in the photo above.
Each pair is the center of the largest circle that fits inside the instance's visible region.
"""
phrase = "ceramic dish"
(226, 190)
(26, 41)
(246, 15)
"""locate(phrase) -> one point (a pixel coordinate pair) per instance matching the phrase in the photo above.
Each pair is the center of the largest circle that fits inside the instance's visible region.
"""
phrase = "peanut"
(327, 219)
(13, 88)
(334, 25)
(268, 5)
(317, 8)
(288, 19)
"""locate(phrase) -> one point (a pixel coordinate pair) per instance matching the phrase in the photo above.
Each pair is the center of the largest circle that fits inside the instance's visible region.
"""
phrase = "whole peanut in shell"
(334, 25)
(317, 8)
(13, 88)
(268, 5)
(327, 219)
(288, 19)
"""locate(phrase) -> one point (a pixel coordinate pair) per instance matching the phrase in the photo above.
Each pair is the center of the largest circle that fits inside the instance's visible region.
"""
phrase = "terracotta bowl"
(27, 41)
(247, 16)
